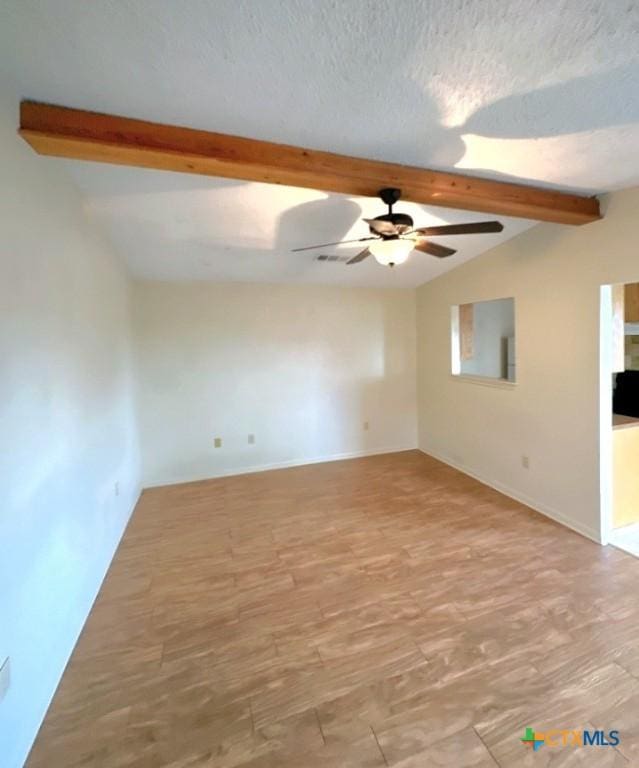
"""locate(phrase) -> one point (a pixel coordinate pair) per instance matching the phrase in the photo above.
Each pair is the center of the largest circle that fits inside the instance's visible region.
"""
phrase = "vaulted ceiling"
(543, 92)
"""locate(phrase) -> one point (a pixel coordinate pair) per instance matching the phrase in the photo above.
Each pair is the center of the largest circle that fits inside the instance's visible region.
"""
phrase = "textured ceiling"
(177, 227)
(544, 91)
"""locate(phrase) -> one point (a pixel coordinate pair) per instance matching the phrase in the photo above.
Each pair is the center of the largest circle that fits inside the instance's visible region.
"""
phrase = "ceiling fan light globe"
(387, 252)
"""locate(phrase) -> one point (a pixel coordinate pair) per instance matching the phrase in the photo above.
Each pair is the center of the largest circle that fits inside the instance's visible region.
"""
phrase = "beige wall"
(552, 414)
(300, 367)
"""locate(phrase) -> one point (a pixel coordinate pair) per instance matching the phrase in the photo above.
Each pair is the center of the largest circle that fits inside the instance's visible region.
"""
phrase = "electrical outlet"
(251, 439)
(217, 442)
(366, 426)
(5, 678)
(116, 488)
(525, 462)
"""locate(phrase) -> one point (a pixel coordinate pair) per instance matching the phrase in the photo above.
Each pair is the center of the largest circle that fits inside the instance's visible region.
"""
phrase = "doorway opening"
(619, 416)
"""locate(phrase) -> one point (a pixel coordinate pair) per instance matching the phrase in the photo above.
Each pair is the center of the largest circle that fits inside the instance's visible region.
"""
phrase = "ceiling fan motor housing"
(402, 222)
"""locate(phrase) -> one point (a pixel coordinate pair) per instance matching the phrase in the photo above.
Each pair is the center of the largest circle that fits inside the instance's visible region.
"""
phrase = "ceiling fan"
(393, 237)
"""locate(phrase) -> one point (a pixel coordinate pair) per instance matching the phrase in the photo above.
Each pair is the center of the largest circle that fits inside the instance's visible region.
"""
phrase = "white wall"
(552, 413)
(300, 367)
(67, 429)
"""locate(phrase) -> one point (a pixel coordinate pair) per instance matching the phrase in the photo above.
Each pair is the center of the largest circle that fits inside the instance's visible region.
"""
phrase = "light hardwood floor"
(380, 611)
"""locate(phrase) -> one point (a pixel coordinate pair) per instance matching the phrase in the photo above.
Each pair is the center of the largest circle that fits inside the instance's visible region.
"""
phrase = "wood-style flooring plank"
(386, 611)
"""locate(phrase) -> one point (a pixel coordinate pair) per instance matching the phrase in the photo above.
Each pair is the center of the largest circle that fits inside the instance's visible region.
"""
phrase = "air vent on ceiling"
(332, 257)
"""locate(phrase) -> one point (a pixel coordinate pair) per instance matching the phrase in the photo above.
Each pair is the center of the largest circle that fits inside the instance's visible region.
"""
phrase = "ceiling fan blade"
(441, 251)
(359, 256)
(382, 227)
(325, 245)
(473, 228)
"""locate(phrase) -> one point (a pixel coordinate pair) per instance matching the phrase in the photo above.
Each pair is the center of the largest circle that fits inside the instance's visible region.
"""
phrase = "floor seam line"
(379, 746)
(476, 732)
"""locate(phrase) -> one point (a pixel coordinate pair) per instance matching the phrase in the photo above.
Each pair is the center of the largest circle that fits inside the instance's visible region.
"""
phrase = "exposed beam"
(81, 135)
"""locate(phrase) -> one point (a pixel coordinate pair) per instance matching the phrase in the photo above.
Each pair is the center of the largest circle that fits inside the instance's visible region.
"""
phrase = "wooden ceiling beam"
(81, 135)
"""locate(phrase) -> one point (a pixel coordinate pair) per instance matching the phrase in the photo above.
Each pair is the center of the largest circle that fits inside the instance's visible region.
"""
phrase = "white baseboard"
(553, 514)
(157, 482)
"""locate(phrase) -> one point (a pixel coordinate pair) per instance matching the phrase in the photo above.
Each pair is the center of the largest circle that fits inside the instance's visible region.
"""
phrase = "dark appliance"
(625, 400)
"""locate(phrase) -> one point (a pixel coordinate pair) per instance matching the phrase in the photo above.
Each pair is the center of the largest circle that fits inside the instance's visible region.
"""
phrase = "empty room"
(318, 384)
